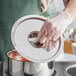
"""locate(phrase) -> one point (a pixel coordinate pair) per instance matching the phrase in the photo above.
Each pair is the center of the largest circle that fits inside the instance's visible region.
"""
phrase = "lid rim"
(13, 41)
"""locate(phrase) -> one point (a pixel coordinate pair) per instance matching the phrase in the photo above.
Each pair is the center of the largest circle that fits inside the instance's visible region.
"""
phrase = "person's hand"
(47, 34)
(44, 5)
(53, 28)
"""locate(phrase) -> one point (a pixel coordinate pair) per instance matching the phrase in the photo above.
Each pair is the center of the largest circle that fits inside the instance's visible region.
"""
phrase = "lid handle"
(33, 39)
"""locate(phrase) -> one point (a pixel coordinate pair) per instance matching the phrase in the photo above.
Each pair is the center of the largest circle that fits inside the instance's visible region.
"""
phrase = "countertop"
(60, 68)
(66, 57)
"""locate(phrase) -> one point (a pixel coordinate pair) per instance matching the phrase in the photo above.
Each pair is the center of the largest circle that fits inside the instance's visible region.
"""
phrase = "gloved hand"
(53, 28)
(44, 5)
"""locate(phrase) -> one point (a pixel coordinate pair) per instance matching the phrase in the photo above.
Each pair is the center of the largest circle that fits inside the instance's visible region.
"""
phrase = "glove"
(54, 27)
(44, 5)
(60, 23)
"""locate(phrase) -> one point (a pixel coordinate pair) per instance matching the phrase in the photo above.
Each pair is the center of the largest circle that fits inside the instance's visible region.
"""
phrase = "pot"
(18, 64)
(47, 70)
(32, 68)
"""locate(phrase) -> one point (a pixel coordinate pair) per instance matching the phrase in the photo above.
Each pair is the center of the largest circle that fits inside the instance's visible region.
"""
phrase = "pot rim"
(13, 58)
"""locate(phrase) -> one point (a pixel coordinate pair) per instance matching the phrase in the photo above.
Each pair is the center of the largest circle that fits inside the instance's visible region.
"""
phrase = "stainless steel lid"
(24, 41)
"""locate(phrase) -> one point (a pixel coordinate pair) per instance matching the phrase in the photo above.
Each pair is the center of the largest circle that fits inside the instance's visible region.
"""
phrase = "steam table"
(63, 58)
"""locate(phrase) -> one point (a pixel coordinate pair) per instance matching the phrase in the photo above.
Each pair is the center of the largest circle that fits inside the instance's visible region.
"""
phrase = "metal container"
(32, 68)
(15, 67)
(47, 70)
(72, 34)
(71, 70)
(18, 64)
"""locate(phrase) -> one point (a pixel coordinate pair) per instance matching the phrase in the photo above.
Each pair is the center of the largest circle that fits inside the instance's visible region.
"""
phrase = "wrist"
(63, 18)
(61, 21)
(71, 13)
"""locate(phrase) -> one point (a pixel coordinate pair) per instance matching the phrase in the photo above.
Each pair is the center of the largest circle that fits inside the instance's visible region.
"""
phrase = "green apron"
(10, 11)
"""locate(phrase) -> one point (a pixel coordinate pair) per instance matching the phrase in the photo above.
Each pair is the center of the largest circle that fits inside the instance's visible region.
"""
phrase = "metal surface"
(27, 68)
(60, 68)
(32, 68)
(17, 71)
(71, 70)
(16, 65)
(72, 34)
(20, 39)
(47, 70)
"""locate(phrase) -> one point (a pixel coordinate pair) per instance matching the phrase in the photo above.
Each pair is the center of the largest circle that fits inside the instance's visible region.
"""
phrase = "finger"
(57, 35)
(41, 31)
(52, 45)
(43, 38)
(47, 27)
(51, 32)
(44, 45)
(47, 45)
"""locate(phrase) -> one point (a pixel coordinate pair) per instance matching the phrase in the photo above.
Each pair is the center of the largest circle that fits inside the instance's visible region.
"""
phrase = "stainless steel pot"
(47, 70)
(32, 68)
(15, 64)
(15, 68)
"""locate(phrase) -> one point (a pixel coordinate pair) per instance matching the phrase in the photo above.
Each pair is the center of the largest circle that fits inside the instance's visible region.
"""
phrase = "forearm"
(71, 8)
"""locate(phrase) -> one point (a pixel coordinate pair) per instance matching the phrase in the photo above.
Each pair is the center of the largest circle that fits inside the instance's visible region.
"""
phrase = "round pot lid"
(24, 35)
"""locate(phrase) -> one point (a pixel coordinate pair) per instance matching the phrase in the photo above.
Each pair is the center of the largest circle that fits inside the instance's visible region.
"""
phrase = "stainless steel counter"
(60, 68)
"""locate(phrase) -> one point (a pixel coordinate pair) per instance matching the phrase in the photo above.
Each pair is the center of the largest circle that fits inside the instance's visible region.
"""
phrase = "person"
(11, 10)
(54, 27)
